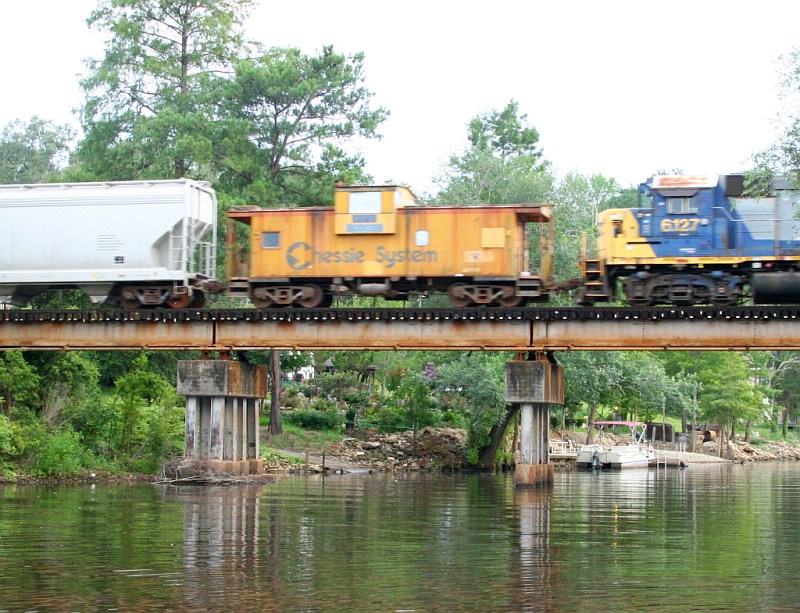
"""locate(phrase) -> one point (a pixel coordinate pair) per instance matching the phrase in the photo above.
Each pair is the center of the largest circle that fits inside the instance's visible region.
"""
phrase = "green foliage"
(622, 384)
(335, 385)
(504, 133)
(138, 392)
(33, 152)
(8, 447)
(60, 454)
(726, 390)
(414, 395)
(150, 99)
(19, 383)
(297, 438)
(69, 382)
(313, 419)
(502, 166)
(783, 156)
(114, 364)
(472, 385)
(162, 433)
(285, 113)
(579, 199)
(385, 417)
(272, 455)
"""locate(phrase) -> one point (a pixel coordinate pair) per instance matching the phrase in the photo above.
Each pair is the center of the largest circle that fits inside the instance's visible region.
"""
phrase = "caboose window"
(680, 206)
(270, 240)
(365, 203)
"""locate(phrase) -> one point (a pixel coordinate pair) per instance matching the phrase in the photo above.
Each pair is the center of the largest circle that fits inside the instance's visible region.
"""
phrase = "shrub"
(8, 445)
(60, 455)
(386, 418)
(311, 419)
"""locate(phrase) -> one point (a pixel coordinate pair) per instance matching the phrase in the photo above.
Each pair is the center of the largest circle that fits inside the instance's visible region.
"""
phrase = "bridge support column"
(223, 401)
(534, 384)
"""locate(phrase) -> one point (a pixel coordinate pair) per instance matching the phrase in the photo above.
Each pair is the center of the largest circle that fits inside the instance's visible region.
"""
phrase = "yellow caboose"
(377, 241)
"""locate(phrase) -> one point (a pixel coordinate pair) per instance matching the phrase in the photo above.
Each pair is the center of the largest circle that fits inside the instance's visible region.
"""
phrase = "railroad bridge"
(470, 329)
(223, 397)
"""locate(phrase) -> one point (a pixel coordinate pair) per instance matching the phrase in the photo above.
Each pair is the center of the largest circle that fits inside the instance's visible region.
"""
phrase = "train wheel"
(129, 303)
(198, 300)
(457, 295)
(313, 296)
(179, 301)
(510, 301)
(260, 303)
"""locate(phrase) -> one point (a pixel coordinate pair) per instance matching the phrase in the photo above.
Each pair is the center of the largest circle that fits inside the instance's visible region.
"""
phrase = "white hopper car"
(131, 243)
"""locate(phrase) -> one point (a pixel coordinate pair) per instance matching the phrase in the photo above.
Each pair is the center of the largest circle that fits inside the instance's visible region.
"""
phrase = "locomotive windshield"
(645, 198)
(682, 205)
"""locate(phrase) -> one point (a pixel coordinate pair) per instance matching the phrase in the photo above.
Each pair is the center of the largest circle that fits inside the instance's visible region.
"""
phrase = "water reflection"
(533, 507)
(718, 537)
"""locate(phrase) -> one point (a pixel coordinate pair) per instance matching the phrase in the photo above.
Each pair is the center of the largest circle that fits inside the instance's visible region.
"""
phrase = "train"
(692, 240)
(133, 244)
(697, 240)
(379, 241)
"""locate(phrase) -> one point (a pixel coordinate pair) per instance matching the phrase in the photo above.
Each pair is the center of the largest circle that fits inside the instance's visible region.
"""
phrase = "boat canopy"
(630, 424)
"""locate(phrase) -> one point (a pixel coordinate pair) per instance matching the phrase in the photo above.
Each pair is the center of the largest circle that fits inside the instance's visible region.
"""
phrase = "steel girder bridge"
(491, 329)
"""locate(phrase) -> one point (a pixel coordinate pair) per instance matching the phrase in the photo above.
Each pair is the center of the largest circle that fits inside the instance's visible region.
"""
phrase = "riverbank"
(429, 449)
(445, 449)
(759, 450)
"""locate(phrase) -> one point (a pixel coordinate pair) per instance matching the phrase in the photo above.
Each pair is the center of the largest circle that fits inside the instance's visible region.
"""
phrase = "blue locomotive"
(697, 240)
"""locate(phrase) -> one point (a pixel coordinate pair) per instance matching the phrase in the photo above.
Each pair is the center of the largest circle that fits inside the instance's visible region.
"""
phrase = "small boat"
(636, 454)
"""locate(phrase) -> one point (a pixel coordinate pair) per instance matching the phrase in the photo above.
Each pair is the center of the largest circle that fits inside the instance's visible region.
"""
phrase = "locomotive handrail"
(765, 218)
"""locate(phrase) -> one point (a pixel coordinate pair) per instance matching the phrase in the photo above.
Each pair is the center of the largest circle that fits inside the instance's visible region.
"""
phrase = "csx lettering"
(679, 225)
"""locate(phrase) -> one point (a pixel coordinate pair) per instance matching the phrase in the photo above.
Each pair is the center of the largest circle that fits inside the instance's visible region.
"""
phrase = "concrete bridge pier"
(223, 401)
(534, 384)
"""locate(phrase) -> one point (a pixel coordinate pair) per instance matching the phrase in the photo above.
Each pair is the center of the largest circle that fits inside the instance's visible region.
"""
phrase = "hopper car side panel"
(104, 236)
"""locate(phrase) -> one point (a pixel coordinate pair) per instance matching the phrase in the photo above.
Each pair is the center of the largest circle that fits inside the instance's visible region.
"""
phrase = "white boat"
(636, 454)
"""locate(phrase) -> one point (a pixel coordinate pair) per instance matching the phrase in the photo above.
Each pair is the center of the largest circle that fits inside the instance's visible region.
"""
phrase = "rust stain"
(512, 335)
(668, 182)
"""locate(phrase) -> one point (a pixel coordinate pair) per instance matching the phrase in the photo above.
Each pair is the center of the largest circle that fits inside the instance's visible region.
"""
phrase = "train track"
(22, 316)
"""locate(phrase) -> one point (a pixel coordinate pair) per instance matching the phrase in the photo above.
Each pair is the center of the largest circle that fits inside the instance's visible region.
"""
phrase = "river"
(710, 537)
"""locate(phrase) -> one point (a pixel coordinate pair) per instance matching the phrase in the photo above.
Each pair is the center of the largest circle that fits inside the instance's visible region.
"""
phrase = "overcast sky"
(621, 88)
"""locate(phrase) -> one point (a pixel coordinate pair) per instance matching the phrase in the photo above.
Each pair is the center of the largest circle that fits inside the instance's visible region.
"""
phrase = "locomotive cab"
(696, 240)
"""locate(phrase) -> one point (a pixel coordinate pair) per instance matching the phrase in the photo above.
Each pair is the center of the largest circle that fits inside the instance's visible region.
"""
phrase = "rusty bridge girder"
(550, 329)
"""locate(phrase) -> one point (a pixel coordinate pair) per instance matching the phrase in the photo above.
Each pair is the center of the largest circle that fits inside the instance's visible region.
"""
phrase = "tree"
(726, 390)
(137, 390)
(288, 115)
(474, 385)
(783, 156)
(149, 100)
(592, 380)
(505, 134)
(580, 198)
(503, 164)
(69, 382)
(19, 383)
(33, 152)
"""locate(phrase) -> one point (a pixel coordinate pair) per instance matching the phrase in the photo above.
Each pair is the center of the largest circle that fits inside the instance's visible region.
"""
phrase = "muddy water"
(715, 537)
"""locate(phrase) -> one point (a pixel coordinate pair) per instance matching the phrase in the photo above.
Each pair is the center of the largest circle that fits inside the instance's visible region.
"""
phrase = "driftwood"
(200, 472)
